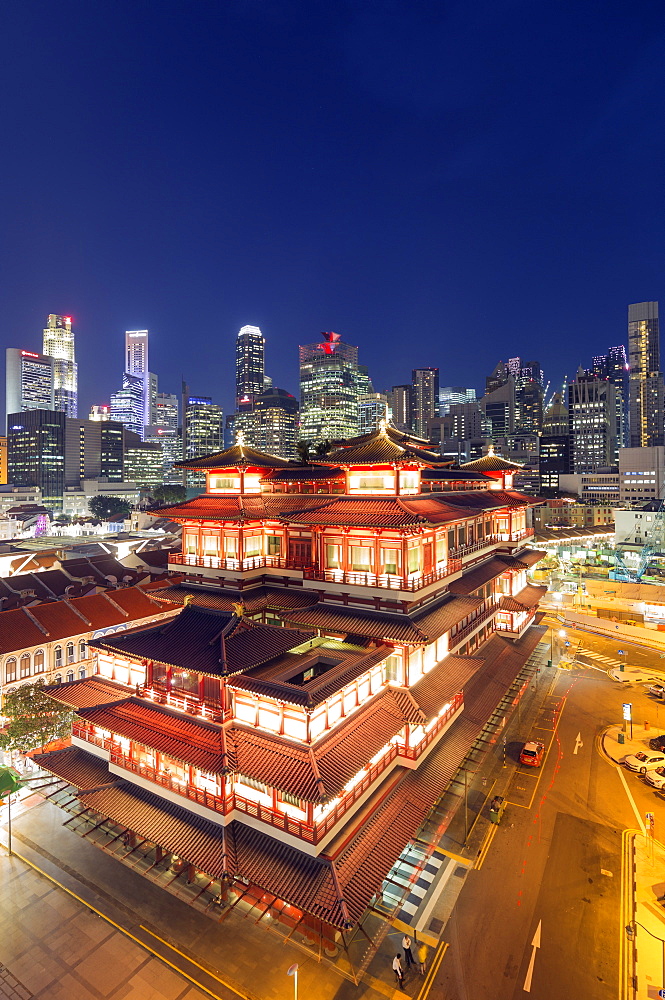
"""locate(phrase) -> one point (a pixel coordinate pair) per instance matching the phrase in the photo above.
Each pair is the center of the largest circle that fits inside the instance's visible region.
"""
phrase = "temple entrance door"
(300, 553)
(428, 557)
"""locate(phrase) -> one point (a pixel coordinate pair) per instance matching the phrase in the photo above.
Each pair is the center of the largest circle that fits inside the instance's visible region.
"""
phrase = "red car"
(532, 753)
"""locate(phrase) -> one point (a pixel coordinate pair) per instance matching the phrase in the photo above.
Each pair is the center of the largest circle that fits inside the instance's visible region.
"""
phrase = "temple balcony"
(464, 633)
(248, 564)
(231, 806)
(462, 552)
(514, 538)
(385, 581)
(516, 624)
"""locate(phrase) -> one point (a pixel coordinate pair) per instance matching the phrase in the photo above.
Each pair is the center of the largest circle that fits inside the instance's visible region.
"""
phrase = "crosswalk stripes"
(607, 660)
(413, 871)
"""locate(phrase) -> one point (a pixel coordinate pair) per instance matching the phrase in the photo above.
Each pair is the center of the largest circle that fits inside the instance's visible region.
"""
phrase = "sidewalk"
(646, 883)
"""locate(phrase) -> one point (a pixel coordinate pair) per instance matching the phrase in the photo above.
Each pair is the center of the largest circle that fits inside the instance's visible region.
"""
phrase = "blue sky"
(441, 183)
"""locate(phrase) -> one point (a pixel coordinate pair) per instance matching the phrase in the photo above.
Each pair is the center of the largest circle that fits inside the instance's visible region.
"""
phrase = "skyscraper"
(168, 410)
(29, 381)
(202, 430)
(136, 364)
(592, 423)
(424, 398)
(400, 404)
(275, 423)
(614, 366)
(645, 379)
(250, 366)
(59, 345)
(36, 452)
(128, 405)
(328, 389)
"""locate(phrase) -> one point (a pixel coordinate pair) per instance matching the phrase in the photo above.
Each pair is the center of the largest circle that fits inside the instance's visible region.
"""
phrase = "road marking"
(433, 969)
(604, 871)
(529, 972)
(578, 743)
(486, 846)
(637, 812)
(192, 962)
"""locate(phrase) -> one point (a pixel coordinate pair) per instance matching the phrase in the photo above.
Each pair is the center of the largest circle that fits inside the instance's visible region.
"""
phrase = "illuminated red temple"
(347, 631)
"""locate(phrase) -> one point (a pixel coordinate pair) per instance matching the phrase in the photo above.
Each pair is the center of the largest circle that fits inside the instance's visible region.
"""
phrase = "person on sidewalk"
(397, 969)
(422, 957)
(406, 944)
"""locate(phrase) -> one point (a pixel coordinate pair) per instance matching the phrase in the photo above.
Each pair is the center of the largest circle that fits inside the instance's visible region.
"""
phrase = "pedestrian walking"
(397, 969)
(421, 955)
(406, 944)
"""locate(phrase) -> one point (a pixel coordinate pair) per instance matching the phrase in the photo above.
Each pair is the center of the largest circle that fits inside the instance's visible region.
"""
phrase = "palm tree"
(302, 450)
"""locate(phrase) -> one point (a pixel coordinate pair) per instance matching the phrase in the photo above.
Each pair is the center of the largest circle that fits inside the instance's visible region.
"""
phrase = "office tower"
(529, 395)
(250, 366)
(555, 417)
(498, 406)
(591, 423)
(328, 389)
(144, 464)
(424, 399)
(372, 409)
(59, 345)
(364, 382)
(454, 394)
(136, 364)
(614, 367)
(203, 432)
(30, 381)
(554, 461)
(275, 424)
(128, 404)
(499, 376)
(99, 412)
(645, 377)
(36, 452)
(400, 405)
(168, 410)
(93, 450)
(169, 441)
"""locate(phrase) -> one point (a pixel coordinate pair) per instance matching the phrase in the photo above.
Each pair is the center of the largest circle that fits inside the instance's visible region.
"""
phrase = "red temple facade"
(346, 633)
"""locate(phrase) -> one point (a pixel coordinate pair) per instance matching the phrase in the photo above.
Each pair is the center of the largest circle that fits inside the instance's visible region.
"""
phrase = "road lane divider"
(433, 969)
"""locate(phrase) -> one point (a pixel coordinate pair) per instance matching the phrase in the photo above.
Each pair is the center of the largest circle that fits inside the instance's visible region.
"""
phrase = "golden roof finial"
(240, 439)
(383, 427)
(238, 608)
(490, 450)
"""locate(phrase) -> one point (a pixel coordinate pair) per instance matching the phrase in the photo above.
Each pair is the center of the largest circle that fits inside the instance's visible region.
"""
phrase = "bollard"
(621, 737)
(622, 667)
(647, 727)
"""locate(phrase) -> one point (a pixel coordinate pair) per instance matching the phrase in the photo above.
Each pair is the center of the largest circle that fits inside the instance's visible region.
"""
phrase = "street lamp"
(293, 971)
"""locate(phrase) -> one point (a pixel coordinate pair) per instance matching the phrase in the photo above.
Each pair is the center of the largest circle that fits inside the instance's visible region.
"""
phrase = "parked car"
(644, 762)
(657, 743)
(532, 753)
(657, 690)
(656, 778)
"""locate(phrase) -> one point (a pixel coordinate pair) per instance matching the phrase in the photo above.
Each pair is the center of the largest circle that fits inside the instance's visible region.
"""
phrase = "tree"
(322, 448)
(302, 450)
(105, 507)
(34, 718)
(168, 494)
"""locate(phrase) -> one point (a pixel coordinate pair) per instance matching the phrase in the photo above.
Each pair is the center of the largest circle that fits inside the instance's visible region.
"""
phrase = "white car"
(656, 778)
(644, 762)
(658, 690)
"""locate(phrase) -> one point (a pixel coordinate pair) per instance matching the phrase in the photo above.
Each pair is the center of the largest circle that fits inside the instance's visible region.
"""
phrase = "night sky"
(442, 183)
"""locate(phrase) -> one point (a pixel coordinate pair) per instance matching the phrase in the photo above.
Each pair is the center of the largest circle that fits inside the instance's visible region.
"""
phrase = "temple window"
(231, 546)
(211, 545)
(225, 482)
(183, 680)
(414, 559)
(258, 786)
(440, 549)
(392, 669)
(253, 545)
(191, 545)
(274, 545)
(361, 558)
(333, 556)
(291, 800)
(390, 561)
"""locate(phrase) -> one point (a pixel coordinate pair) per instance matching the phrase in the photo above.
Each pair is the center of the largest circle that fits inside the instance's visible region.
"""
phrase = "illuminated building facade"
(591, 423)
(59, 344)
(36, 452)
(203, 431)
(99, 413)
(372, 409)
(128, 404)
(136, 365)
(289, 731)
(645, 376)
(250, 366)
(614, 367)
(274, 427)
(328, 390)
(424, 399)
(400, 406)
(168, 410)
(30, 381)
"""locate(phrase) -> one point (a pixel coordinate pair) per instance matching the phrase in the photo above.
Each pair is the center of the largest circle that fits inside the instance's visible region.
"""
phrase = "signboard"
(627, 710)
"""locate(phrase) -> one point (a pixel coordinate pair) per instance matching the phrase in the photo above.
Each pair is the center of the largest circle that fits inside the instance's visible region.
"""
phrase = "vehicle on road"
(657, 743)
(532, 753)
(656, 778)
(657, 690)
(644, 762)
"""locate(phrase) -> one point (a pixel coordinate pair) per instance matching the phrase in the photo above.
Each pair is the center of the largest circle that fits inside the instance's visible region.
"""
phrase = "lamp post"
(293, 971)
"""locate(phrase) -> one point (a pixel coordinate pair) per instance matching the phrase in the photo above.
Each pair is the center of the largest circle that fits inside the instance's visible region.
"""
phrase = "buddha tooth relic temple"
(348, 629)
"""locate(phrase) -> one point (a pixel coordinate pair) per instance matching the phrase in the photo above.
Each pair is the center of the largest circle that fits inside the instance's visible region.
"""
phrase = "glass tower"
(328, 390)
(59, 345)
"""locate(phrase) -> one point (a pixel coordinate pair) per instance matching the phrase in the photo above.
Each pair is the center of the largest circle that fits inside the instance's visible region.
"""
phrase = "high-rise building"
(641, 474)
(372, 409)
(36, 452)
(59, 345)
(144, 464)
(136, 364)
(30, 381)
(169, 441)
(554, 461)
(555, 417)
(250, 366)
(128, 404)
(203, 432)
(591, 423)
(498, 406)
(645, 378)
(275, 423)
(328, 389)
(93, 450)
(400, 406)
(614, 366)
(168, 410)
(454, 394)
(424, 399)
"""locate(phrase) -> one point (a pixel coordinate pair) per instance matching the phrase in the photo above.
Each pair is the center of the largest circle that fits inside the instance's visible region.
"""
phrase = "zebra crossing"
(607, 661)
(413, 873)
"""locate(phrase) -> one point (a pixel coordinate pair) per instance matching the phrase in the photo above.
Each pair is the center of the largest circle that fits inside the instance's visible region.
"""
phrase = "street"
(541, 915)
